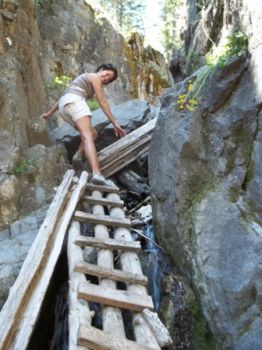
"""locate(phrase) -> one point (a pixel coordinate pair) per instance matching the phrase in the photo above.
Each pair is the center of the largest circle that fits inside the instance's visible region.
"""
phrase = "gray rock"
(204, 169)
(14, 247)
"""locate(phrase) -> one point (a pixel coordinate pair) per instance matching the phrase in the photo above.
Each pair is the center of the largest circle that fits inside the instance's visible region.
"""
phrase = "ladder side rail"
(31, 270)
(32, 311)
(79, 312)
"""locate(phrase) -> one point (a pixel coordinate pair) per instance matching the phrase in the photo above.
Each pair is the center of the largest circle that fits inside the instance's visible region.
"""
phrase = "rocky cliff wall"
(40, 41)
(206, 181)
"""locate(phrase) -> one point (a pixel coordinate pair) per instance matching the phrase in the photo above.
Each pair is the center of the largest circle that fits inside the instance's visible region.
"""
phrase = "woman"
(74, 110)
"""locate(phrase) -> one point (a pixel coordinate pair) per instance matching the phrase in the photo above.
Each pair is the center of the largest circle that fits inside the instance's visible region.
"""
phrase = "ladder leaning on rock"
(105, 211)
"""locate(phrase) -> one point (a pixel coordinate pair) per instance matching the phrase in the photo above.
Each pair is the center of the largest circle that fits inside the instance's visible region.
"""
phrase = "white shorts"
(73, 110)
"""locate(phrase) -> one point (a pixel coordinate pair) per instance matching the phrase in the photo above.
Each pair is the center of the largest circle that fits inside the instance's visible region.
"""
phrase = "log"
(130, 263)
(112, 274)
(112, 317)
(161, 333)
(114, 297)
(95, 339)
(124, 151)
(102, 219)
(19, 314)
(108, 243)
(133, 182)
(79, 312)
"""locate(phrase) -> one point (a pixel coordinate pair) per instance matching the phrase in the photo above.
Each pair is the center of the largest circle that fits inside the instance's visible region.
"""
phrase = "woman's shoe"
(101, 180)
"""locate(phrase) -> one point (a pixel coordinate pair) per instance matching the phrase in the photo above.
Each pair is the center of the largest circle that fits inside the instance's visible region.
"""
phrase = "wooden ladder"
(21, 310)
(104, 209)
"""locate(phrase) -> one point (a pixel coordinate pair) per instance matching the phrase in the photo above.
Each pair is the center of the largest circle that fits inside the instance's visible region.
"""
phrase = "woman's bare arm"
(97, 85)
(52, 110)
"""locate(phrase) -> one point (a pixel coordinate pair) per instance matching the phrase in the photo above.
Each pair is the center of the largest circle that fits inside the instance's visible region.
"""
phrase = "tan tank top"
(81, 86)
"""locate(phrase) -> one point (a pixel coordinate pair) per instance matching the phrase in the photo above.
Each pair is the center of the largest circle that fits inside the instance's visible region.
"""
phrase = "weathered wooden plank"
(114, 297)
(17, 306)
(100, 188)
(121, 153)
(109, 243)
(79, 312)
(161, 333)
(95, 339)
(122, 163)
(132, 138)
(103, 201)
(112, 274)
(102, 219)
(37, 296)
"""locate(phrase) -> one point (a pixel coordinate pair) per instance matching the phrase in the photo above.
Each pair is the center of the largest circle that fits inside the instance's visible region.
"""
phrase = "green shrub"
(93, 104)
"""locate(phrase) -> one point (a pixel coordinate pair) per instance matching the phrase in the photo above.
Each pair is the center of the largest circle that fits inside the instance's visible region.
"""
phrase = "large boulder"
(204, 172)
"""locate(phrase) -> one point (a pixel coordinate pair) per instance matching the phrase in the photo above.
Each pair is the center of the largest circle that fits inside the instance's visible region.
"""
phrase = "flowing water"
(151, 253)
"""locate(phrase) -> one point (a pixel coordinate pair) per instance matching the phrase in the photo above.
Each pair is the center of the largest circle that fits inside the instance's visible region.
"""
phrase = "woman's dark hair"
(108, 66)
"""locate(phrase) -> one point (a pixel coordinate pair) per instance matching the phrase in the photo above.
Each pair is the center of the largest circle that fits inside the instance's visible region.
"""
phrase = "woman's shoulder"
(91, 76)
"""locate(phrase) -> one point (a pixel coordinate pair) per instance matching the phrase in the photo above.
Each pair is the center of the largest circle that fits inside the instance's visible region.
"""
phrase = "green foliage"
(59, 83)
(127, 13)
(38, 4)
(236, 46)
(217, 58)
(22, 166)
(169, 40)
(93, 104)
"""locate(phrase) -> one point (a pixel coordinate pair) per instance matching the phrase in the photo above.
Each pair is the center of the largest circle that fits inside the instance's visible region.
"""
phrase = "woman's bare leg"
(84, 126)
(81, 146)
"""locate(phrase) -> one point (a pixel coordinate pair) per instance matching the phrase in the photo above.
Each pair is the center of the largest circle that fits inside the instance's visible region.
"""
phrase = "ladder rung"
(102, 219)
(101, 188)
(112, 274)
(103, 201)
(109, 243)
(96, 339)
(114, 297)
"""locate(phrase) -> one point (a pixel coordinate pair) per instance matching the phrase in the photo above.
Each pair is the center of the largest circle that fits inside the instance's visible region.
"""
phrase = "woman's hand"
(46, 115)
(119, 131)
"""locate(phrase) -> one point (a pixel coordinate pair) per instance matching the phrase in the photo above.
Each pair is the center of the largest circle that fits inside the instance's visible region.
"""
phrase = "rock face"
(15, 242)
(40, 41)
(77, 38)
(206, 185)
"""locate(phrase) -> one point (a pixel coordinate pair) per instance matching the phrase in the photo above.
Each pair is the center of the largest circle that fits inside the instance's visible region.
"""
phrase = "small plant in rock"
(217, 58)
(22, 166)
(186, 101)
(58, 83)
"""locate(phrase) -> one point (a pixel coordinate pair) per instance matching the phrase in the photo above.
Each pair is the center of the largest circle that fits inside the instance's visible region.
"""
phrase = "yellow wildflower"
(190, 87)
(190, 108)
